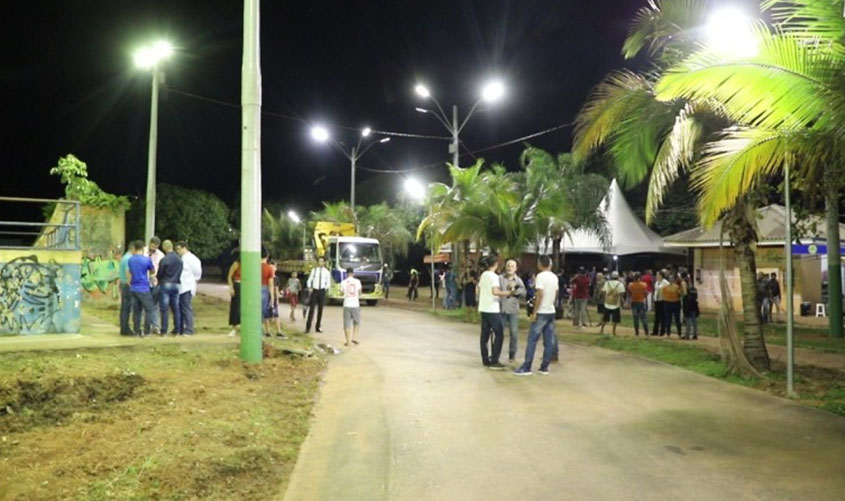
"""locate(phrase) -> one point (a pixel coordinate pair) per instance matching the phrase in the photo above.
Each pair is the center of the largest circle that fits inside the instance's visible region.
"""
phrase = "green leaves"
(74, 175)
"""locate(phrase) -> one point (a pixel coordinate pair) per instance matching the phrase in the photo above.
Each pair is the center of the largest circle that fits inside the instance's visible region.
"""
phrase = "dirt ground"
(155, 422)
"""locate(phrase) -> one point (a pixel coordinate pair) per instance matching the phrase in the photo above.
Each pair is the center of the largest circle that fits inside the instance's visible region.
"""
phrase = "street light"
(321, 135)
(149, 58)
(417, 192)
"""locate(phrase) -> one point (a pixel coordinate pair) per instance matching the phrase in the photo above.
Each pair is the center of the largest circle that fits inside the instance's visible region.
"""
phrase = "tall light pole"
(251, 338)
(149, 58)
(492, 92)
(321, 135)
(417, 191)
(295, 218)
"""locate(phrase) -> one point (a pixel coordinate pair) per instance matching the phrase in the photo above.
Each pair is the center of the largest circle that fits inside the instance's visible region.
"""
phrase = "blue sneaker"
(544, 371)
(522, 372)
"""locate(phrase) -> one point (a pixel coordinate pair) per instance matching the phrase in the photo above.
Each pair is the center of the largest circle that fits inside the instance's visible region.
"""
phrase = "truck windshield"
(360, 256)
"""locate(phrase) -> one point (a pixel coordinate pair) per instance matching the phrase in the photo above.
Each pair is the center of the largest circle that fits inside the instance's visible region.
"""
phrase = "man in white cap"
(613, 292)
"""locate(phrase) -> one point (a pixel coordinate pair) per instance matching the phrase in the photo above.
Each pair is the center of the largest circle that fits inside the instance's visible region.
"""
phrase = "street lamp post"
(148, 58)
(490, 93)
(321, 135)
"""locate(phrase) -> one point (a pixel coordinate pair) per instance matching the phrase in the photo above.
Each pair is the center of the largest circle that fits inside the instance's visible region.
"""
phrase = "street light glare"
(147, 57)
(384, 140)
(422, 91)
(421, 110)
(493, 91)
(319, 133)
(366, 132)
(294, 216)
(729, 32)
(415, 189)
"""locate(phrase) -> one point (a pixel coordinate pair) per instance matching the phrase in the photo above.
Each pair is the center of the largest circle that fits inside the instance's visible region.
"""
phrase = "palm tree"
(569, 200)
(789, 104)
(386, 224)
(281, 236)
(335, 212)
(649, 138)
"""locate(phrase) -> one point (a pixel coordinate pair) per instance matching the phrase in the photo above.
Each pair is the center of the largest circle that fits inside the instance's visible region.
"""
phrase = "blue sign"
(813, 249)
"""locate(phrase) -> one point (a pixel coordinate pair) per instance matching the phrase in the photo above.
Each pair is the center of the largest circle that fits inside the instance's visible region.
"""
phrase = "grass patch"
(153, 422)
(211, 315)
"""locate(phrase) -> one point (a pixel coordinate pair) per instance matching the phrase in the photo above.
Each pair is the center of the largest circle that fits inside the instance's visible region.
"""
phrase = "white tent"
(628, 234)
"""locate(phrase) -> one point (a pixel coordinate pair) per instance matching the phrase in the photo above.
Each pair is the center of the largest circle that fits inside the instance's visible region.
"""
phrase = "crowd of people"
(155, 281)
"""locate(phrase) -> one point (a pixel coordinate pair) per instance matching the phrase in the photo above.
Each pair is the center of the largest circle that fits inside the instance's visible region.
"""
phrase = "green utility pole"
(251, 336)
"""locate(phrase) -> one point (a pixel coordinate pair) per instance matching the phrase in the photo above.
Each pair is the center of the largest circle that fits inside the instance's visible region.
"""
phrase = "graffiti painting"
(99, 274)
(30, 297)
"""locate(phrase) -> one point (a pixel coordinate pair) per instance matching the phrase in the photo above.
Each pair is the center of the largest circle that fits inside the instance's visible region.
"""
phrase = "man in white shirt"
(351, 288)
(156, 255)
(318, 283)
(191, 274)
(491, 316)
(542, 319)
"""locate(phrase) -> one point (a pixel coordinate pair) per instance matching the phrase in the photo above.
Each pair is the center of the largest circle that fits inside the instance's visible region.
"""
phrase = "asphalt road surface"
(411, 413)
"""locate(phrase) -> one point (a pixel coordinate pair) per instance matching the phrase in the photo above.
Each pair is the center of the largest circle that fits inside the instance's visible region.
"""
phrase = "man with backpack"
(613, 290)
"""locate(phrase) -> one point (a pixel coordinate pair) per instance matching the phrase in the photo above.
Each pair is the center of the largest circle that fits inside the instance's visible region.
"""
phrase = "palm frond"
(664, 24)
(816, 20)
(784, 85)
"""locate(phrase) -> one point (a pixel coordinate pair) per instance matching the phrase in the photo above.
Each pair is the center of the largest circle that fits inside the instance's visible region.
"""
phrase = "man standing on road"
(169, 276)
(125, 295)
(351, 288)
(638, 291)
(613, 290)
(489, 293)
(774, 289)
(542, 320)
(318, 284)
(139, 271)
(511, 282)
(191, 274)
(580, 294)
(155, 255)
(385, 280)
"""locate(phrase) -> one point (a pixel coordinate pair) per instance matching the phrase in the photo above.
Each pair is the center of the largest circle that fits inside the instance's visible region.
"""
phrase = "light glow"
(319, 134)
(422, 91)
(294, 217)
(729, 32)
(150, 56)
(414, 189)
(493, 91)
(384, 140)
(366, 132)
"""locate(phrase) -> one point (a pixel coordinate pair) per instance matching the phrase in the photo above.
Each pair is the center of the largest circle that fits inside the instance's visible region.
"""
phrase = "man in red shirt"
(580, 294)
(648, 279)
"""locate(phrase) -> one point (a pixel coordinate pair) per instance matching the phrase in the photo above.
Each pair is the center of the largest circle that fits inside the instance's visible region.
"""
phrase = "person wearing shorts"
(351, 288)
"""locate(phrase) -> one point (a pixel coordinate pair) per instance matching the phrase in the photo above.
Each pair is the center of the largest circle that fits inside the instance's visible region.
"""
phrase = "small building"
(809, 265)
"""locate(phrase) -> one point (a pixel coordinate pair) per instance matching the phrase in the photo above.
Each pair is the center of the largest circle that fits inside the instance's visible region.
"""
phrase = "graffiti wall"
(40, 292)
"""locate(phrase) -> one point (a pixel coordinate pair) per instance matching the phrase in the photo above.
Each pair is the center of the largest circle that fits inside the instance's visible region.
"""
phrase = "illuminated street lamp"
(149, 58)
(296, 219)
(321, 135)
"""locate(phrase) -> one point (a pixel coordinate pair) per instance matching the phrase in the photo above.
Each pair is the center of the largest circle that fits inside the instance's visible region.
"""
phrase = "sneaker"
(232, 333)
(522, 372)
(543, 371)
(319, 329)
(281, 336)
(496, 366)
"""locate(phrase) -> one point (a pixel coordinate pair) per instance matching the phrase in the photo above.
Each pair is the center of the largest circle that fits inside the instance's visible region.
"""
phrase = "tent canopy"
(628, 234)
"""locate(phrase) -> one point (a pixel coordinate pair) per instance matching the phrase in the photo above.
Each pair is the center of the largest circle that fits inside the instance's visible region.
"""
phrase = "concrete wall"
(40, 291)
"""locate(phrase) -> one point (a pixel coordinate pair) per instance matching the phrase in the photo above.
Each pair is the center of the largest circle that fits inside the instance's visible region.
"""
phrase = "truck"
(342, 247)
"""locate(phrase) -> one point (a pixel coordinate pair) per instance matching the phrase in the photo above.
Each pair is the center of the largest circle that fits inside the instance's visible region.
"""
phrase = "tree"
(649, 138)
(788, 104)
(74, 175)
(281, 236)
(198, 217)
(388, 225)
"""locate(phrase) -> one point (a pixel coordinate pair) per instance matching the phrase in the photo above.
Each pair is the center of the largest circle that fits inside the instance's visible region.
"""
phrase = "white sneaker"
(232, 333)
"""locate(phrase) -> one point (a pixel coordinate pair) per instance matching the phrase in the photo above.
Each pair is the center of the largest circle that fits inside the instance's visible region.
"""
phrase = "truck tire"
(372, 302)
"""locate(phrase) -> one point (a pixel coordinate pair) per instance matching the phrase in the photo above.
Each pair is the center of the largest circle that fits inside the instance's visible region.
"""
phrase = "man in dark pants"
(168, 276)
(318, 282)
(491, 314)
(385, 280)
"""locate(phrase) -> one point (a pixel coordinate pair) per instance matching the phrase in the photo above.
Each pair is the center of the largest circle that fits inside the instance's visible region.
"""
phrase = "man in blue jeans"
(542, 319)
(125, 294)
(511, 282)
(169, 274)
(139, 270)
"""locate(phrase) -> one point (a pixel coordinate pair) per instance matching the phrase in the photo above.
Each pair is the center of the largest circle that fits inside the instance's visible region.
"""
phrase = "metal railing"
(64, 235)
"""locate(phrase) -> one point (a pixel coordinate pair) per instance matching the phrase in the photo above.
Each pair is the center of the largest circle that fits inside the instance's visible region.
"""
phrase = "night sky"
(69, 86)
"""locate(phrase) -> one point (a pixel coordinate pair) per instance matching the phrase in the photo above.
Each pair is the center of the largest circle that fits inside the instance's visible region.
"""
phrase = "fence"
(60, 232)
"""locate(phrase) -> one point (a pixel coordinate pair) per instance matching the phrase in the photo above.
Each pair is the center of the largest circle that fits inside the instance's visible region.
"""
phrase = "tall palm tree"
(789, 102)
(384, 223)
(335, 212)
(281, 236)
(659, 139)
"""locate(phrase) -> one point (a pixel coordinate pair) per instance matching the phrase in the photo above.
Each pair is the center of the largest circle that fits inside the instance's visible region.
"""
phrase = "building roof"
(770, 224)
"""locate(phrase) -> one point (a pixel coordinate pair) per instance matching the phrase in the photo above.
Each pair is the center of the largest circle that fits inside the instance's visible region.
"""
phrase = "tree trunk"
(743, 229)
(834, 269)
(556, 253)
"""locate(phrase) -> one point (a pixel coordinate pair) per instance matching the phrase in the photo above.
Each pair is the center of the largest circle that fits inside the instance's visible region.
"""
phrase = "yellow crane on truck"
(342, 248)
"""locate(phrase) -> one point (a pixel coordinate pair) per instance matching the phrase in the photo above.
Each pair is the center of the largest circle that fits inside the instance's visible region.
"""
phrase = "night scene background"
(69, 86)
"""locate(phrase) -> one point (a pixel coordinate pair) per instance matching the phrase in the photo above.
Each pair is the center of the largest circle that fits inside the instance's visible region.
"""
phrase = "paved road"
(411, 414)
